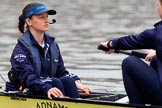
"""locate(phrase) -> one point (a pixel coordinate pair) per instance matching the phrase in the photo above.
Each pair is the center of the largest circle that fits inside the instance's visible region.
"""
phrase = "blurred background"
(81, 25)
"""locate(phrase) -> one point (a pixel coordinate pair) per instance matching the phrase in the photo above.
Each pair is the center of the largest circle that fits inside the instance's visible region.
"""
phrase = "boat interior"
(105, 97)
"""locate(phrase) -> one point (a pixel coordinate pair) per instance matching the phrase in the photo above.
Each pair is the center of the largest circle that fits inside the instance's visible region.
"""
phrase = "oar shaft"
(139, 54)
(122, 52)
(135, 53)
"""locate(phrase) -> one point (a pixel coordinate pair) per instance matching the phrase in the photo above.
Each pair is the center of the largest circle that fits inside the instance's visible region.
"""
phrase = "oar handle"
(101, 47)
(139, 54)
(135, 53)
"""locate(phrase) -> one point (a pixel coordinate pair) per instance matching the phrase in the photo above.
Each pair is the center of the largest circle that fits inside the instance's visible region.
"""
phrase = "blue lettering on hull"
(49, 105)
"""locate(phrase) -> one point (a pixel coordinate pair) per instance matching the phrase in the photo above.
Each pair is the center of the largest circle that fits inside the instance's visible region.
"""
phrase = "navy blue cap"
(37, 9)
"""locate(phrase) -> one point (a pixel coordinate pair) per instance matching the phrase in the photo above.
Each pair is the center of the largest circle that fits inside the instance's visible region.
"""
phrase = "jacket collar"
(158, 23)
(47, 37)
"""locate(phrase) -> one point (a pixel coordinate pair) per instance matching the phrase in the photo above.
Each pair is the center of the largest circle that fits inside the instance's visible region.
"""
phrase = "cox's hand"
(82, 87)
(54, 92)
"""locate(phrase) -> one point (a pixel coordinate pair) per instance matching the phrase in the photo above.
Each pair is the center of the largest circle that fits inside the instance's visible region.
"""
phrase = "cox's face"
(159, 8)
(39, 22)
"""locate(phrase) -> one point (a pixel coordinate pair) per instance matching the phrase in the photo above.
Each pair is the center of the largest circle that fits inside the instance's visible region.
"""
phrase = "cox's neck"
(38, 36)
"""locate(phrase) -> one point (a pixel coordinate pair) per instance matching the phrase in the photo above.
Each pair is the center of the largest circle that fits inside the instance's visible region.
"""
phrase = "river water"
(81, 26)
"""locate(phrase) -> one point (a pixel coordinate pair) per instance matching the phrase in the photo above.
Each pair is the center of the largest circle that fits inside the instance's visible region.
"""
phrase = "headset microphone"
(53, 21)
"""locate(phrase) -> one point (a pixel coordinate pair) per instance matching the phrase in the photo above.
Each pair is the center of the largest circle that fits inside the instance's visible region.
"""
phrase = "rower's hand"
(54, 92)
(103, 46)
(150, 54)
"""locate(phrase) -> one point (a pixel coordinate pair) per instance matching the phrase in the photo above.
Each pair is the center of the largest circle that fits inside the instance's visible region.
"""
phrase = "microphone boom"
(53, 21)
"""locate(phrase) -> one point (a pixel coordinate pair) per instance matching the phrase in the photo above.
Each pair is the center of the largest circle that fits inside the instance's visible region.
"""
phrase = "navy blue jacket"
(148, 39)
(24, 70)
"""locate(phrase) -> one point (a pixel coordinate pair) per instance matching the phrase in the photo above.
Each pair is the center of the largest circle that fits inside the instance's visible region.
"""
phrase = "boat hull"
(22, 102)
(29, 101)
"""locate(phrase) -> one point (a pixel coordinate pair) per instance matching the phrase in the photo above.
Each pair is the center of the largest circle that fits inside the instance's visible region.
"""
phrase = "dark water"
(81, 26)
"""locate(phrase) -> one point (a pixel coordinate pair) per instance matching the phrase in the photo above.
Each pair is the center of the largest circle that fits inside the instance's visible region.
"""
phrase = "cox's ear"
(28, 21)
